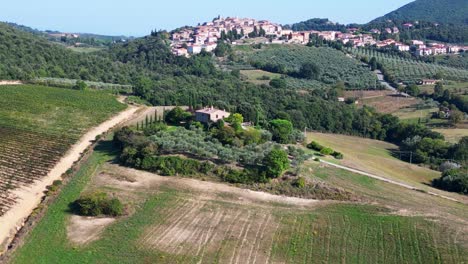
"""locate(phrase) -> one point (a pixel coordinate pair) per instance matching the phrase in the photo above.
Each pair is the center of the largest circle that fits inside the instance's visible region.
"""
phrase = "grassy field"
(453, 135)
(374, 157)
(171, 220)
(37, 126)
(412, 114)
(256, 76)
(86, 49)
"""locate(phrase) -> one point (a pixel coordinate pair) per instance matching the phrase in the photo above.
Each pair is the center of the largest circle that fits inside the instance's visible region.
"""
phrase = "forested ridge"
(26, 56)
(439, 20)
(440, 11)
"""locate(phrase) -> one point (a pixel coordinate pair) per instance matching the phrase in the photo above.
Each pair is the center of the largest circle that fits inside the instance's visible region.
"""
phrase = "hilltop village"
(192, 40)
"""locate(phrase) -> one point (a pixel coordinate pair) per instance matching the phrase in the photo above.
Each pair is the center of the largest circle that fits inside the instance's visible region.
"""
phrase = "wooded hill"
(438, 11)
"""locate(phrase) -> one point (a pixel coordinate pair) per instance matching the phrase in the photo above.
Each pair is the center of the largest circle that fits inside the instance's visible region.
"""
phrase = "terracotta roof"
(211, 110)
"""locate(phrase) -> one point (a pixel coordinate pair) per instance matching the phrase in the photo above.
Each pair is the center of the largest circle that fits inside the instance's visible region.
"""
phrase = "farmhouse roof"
(211, 110)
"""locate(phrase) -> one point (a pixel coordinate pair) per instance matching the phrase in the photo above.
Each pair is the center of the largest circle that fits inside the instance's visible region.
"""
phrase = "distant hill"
(26, 54)
(439, 11)
(84, 38)
(321, 24)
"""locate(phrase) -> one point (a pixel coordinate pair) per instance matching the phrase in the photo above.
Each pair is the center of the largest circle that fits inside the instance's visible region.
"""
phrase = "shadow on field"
(108, 148)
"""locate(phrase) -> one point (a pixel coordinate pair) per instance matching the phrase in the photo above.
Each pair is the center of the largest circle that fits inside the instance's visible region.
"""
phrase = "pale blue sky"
(139, 17)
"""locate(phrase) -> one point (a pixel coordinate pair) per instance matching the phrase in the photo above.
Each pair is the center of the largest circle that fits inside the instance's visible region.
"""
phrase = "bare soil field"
(383, 101)
(83, 230)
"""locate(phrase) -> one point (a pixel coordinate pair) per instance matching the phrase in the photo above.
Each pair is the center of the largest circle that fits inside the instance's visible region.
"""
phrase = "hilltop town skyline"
(138, 18)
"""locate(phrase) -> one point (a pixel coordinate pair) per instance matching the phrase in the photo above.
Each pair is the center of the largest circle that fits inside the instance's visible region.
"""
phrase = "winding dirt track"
(30, 196)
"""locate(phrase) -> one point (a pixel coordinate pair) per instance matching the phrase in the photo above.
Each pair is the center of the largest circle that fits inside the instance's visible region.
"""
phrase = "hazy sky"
(139, 17)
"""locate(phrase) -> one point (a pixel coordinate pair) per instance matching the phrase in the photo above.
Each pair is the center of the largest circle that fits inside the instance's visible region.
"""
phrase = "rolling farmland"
(176, 220)
(37, 126)
(410, 70)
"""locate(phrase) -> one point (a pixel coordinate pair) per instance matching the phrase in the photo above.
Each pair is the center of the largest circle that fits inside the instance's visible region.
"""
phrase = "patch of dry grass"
(375, 157)
(453, 135)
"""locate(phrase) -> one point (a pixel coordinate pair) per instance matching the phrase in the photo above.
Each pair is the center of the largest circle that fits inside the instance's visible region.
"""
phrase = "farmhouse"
(428, 82)
(210, 114)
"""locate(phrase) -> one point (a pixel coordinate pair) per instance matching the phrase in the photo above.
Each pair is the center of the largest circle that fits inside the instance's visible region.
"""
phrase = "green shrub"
(276, 163)
(278, 83)
(112, 207)
(300, 182)
(314, 146)
(337, 155)
(281, 130)
(51, 189)
(454, 180)
(154, 128)
(172, 165)
(246, 176)
(97, 203)
(326, 151)
(177, 116)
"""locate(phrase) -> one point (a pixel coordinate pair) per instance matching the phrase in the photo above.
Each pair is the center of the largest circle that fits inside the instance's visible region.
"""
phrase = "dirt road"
(30, 196)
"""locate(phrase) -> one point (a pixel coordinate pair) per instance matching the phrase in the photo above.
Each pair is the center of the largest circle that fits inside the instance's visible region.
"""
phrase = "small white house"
(194, 49)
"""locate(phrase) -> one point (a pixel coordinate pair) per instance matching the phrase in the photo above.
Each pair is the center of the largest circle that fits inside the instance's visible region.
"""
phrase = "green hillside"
(440, 11)
(410, 70)
(26, 56)
(334, 65)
